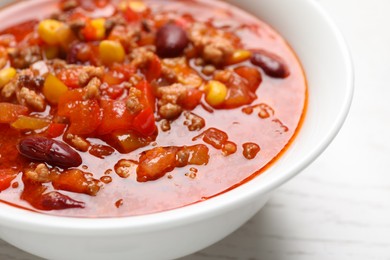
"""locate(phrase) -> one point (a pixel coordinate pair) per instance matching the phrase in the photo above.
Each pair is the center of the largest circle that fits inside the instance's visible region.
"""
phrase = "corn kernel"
(122, 6)
(239, 56)
(111, 51)
(137, 6)
(53, 89)
(65, 36)
(6, 75)
(100, 29)
(30, 123)
(51, 52)
(216, 93)
(48, 31)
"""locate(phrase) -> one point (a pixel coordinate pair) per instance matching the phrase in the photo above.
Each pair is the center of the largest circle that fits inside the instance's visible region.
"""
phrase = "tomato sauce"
(230, 141)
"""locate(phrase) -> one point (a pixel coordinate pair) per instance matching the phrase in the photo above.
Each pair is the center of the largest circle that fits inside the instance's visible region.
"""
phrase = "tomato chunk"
(144, 122)
(10, 112)
(77, 181)
(84, 115)
(148, 99)
(116, 116)
(55, 129)
(6, 177)
(155, 163)
(127, 141)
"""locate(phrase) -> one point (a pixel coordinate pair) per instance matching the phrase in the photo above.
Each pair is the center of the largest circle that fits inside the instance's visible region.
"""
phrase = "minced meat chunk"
(168, 106)
(23, 56)
(31, 99)
(215, 45)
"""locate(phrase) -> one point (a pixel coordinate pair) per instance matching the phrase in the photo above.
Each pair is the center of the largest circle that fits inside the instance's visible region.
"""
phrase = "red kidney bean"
(272, 64)
(47, 150)
(56, 201)
(171, 40)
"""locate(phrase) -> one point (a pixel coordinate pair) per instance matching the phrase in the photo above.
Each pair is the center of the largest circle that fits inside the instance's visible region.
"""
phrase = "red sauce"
(241, 140)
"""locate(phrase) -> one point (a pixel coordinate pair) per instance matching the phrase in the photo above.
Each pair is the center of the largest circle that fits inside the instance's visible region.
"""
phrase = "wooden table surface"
(339, 207)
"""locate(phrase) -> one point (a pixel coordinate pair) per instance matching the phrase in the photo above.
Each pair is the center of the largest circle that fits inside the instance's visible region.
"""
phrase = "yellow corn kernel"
(30, 123)
(137, 6)
(111, 51)
(53, 89)
(51, 52)
(65, 36)
(48, 31)
(122, 6)
(216, 93)
(6, 75)
(100, 29)
(239, 56)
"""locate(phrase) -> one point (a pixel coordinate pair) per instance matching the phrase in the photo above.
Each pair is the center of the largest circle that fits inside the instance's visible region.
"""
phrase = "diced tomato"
(21, 30)
(112, 91)
(238, 95)
(144, 122)
(153, 70)
(149, 99)
(192, 99)
(101, 3)
(77, 16)
(77, 181)
(70, 77)
(55, 129)
(239, 92)
(119, 74)
(84, 115)
(68, 97)
(116, 116)
(131, 16)
(146, 38)
(6, 177)
(10, 112)
(155, 163)
(127, 141)
(252, 75)
(89, 32)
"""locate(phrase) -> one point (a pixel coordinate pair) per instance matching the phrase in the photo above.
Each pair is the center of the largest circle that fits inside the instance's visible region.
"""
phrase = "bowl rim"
(25, 219)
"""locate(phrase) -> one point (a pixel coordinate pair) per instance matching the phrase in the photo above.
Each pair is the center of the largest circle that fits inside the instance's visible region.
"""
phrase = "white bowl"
(179, 232)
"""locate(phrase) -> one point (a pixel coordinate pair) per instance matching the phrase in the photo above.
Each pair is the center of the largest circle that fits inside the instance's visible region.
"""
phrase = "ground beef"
(22, 57)
(30, 98)
(92, 88)
(87, 73)
(168, 107)
(127, 35)
(140, 57)
(133, 101)
(214, 45)
(40, 174)
(77, 142)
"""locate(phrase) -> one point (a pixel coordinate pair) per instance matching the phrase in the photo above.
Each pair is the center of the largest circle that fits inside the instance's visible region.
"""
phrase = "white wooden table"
(339, 207)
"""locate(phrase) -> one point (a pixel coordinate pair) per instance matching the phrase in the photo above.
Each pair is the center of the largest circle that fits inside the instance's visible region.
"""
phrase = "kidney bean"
(47, 150)
(171, 40)
(272, 64)
(57, 201)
